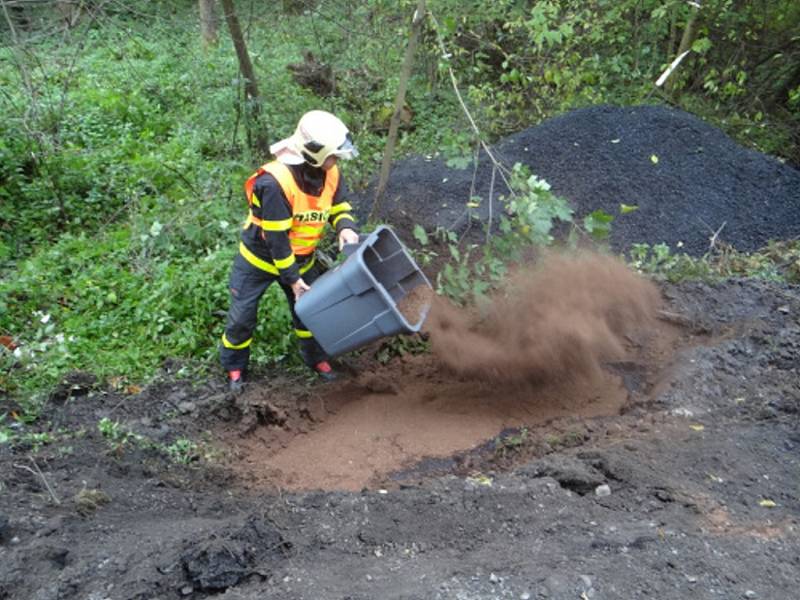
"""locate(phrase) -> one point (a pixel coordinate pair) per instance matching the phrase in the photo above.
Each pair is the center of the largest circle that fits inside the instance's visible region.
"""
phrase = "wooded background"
(129, 126)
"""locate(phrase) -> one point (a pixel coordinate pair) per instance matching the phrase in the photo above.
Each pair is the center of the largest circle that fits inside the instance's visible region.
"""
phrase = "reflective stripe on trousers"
(247, 286)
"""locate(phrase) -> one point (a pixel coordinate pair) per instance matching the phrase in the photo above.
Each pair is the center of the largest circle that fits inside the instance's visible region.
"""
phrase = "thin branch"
(38, 472)
(713, 238)
(399, 102)
(491, 194)
(475, 169)
(454, 82)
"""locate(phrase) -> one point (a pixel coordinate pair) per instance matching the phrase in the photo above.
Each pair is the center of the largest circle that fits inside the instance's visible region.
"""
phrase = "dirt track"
(435, 485)
(696, 449)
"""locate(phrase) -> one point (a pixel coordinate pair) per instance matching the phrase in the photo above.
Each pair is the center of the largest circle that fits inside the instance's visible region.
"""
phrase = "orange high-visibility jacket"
(309, 213)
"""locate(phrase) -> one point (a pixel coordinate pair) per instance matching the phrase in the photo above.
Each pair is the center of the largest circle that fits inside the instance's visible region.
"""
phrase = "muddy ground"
(661, 460)
(699, 456)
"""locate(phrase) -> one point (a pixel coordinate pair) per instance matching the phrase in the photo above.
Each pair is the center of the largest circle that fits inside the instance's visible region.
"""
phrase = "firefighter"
(291, 200)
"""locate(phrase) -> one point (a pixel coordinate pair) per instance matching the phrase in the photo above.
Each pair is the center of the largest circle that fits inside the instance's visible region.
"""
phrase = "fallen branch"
(39, 473)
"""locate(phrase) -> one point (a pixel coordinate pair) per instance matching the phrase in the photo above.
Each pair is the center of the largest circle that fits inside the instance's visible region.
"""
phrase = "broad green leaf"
(420, 235)
(598, 224)
(702, 45)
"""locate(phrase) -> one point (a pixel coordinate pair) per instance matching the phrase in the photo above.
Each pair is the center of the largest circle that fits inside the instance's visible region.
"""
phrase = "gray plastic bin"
(356, 302)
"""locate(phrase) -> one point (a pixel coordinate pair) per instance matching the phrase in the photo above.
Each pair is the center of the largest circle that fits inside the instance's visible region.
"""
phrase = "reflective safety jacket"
(289, 208)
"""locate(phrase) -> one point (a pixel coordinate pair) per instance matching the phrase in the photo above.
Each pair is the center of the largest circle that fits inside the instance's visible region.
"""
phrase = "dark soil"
(601, 157)
(667, 470)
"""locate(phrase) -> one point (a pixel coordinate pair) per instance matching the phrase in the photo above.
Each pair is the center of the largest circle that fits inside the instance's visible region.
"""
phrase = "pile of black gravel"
(687, 177)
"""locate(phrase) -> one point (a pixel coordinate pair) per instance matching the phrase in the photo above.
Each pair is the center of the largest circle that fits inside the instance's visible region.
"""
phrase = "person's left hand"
(347, 236)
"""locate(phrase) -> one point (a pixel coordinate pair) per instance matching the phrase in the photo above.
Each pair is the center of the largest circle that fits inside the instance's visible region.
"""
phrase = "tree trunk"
(673, 31)
(252, 97)
(245, 66)
(70, 12)
(688, 38)
(209, 24)
(296, 7)
(394, 123)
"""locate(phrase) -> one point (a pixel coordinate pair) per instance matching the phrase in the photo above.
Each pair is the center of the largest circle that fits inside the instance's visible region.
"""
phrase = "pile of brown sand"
(561, 319)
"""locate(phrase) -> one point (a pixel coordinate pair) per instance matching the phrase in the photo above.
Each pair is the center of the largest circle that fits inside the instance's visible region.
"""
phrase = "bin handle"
(349, 249)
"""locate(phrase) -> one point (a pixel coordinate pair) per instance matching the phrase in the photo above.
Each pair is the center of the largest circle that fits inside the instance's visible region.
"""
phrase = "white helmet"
(319, 134)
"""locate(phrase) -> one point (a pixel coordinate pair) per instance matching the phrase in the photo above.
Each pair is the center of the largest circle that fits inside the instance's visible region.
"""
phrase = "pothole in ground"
(413, 418)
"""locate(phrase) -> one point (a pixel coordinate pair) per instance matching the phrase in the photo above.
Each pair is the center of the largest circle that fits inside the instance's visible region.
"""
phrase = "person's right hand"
(299, 288)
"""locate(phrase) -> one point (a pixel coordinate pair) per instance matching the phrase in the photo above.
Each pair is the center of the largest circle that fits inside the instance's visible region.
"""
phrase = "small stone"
(682, 412)
(602, 490)
(187, 590)
(15, 540)
(785, 310)
(494, 578)
(525, 596)
(691, 579)
(187, 407)
(750, 594)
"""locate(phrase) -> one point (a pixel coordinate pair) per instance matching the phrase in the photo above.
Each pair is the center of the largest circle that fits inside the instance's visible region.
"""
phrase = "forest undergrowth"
(126, 142)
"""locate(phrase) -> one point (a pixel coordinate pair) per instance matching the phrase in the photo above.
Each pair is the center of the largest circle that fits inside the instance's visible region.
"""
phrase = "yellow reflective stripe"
(254, 200)
(341, 207)
(302, 242)
(255, 261)
(309, 229)
(269, 267)
(282, 225)
(285, 263)
(344, 216)
(241, 346)
(307, 266)
(303, 333)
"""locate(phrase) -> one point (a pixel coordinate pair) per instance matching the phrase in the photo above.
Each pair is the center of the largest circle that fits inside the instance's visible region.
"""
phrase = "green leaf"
(598, 224)
(459, 162)
(450, 25)
(420, 235)
(654, 159)
(562, 210)
(624, 209)
(702, 45)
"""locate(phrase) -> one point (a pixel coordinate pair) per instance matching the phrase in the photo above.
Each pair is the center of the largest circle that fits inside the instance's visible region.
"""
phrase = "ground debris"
(87, 501)
(226, 559)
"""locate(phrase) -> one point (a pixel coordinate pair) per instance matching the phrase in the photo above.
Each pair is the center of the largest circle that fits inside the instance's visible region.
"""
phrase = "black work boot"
(325, 371)
(316, 360)
(235, 381)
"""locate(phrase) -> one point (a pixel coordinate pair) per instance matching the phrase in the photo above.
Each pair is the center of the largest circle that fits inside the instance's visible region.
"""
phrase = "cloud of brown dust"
(559, 320)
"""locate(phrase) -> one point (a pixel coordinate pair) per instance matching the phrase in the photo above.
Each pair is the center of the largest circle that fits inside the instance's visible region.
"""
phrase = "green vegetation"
(779, 261)
(119, 439)
(510, 444)
(125, 143)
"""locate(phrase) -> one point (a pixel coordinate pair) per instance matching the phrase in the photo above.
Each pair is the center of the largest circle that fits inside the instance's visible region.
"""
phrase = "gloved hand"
(347, 236)
(299, 288)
